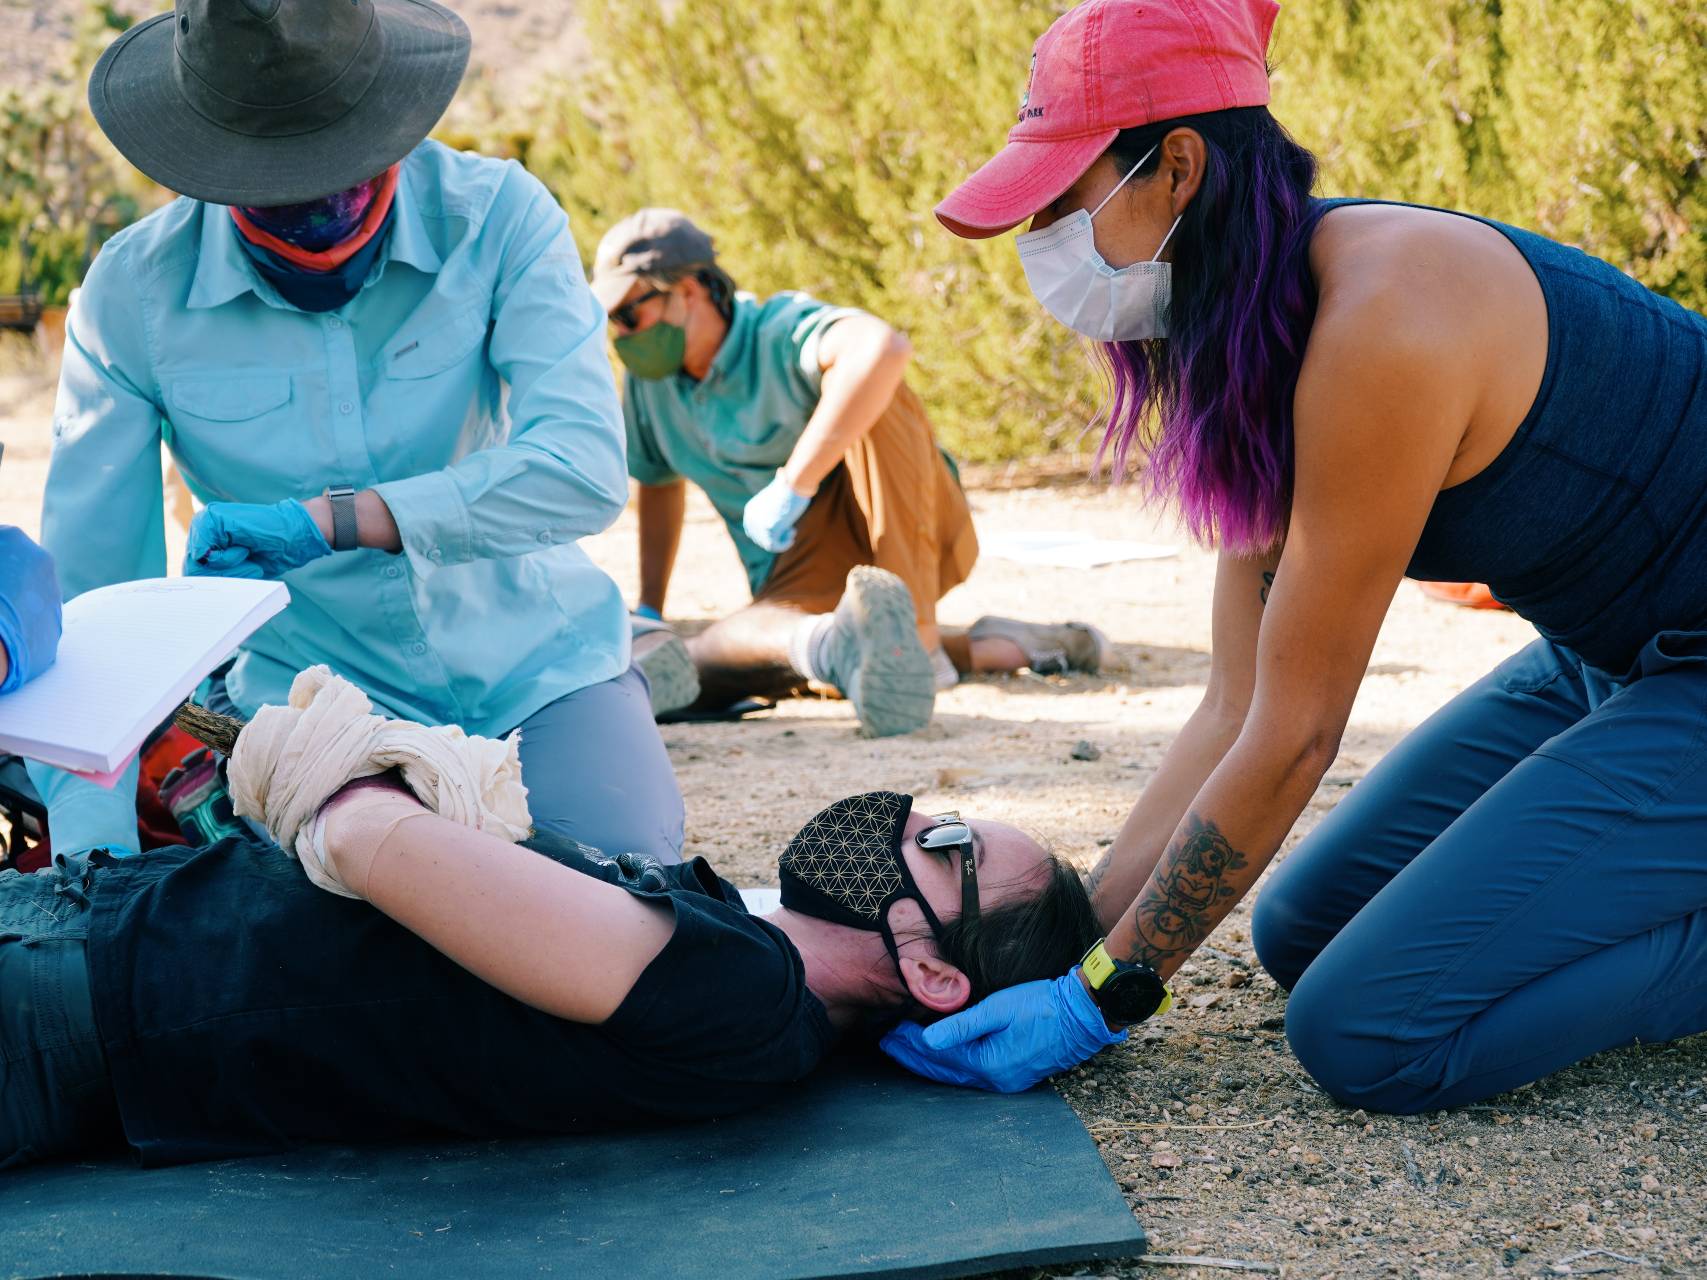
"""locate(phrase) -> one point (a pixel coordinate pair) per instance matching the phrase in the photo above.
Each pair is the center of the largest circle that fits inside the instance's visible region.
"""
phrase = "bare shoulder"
(1431, 305)
(1452, 273)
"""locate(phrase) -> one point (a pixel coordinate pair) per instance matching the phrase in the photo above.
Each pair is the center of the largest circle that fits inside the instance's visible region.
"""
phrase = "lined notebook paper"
(129, 655)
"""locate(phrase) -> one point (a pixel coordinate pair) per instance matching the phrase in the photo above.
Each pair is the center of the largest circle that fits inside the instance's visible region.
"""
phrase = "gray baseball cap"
(649, 243)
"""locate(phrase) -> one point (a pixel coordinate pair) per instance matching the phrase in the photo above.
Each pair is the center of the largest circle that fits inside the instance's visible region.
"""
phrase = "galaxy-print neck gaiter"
(319, 224)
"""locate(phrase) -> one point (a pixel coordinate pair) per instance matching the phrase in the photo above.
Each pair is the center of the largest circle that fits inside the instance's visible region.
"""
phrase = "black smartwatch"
(1126, 993)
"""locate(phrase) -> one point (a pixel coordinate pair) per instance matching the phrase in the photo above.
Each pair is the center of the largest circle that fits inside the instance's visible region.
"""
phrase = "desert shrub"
(812, 138)
(63, 189)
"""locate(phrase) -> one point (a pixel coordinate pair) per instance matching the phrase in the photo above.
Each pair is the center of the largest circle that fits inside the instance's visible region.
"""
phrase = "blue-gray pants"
(1520, 883)
(55, 1094)
(597, 772)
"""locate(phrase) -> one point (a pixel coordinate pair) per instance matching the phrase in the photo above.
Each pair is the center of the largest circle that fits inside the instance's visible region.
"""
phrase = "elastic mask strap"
(909, 891)
(1117, 186)
(1158, 254)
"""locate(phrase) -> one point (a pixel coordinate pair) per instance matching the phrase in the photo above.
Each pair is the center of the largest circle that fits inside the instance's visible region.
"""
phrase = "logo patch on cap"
(1026, 110)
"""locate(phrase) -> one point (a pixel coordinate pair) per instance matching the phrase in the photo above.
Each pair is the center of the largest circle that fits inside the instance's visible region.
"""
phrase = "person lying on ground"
(795, 419)
(377, 361)
(29, 609)
(198, 1004)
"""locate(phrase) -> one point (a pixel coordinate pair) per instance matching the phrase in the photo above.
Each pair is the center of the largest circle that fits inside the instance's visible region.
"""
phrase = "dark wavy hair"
(1023, 939)
(1209, 407)
(718, 283)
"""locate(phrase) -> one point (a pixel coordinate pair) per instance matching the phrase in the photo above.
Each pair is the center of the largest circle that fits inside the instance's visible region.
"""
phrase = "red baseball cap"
(1105, 66)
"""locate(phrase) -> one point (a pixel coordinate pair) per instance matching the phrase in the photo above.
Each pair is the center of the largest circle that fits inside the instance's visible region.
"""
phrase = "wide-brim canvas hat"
(273, 102)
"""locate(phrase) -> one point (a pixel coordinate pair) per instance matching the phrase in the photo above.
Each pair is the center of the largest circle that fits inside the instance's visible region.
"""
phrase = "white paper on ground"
(128, 655)
(1066, 550)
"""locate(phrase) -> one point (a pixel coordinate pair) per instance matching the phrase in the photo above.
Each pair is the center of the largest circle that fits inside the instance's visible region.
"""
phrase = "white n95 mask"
(1078, 287)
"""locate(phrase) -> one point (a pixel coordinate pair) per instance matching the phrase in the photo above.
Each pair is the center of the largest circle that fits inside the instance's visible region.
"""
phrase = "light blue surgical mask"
(1078, 287)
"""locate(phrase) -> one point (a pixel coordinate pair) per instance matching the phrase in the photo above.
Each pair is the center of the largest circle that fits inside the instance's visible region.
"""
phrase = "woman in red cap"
(1338, 393)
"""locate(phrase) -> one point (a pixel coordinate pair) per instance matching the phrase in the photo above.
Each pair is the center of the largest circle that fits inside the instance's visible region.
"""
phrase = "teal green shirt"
(730, 432)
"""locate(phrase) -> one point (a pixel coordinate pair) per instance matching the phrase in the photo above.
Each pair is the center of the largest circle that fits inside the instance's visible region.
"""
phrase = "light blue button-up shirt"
(468, 383)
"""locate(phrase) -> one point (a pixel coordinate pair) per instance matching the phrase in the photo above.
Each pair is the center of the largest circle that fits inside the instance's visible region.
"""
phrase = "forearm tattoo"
(1094, 881)
(1179, 911)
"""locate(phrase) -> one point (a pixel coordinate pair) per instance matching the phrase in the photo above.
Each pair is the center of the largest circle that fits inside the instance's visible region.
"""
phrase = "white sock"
(943, 668)
(806, 646)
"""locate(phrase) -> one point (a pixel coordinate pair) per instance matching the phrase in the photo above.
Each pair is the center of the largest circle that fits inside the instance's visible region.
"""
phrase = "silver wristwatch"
(343, 500)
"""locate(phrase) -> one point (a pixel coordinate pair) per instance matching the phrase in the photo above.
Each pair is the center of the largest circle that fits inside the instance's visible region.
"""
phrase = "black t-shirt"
(244, 1010)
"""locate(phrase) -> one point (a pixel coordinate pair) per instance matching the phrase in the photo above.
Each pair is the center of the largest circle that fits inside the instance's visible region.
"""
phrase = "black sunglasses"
(950, 833)
(625, 314)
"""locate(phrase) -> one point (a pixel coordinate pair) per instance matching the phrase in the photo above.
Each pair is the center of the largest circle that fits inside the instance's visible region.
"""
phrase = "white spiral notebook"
(129, 655)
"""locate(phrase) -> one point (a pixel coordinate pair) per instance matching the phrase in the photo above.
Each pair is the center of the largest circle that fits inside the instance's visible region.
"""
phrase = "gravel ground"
(1220, 1142)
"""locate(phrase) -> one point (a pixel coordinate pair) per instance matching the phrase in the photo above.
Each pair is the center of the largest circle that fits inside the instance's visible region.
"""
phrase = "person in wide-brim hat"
(322, 332)
(277, 103)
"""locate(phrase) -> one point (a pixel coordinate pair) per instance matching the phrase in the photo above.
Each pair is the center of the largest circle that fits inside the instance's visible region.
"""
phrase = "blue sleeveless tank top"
(1592, 522)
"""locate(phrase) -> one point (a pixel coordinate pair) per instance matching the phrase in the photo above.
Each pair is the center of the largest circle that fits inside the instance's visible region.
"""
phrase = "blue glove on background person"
(29, 607)
(1008, 1041)
(771, 514)
(84, 815)
(253, 540)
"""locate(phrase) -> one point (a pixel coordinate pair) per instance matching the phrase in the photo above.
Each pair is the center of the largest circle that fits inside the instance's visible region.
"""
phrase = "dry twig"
(1600, 1253)
(209, 727)
(1195, 1260)
(1144, 1124)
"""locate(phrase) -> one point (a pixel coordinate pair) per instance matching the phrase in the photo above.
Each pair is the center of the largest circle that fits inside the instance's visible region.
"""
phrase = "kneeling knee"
(1279, 929)
(1330, 1034)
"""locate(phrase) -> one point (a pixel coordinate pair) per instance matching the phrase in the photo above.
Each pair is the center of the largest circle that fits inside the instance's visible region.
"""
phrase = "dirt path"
(1220, 1142)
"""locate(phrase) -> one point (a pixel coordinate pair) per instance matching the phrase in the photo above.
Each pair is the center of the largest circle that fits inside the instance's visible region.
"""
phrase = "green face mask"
(653, 353)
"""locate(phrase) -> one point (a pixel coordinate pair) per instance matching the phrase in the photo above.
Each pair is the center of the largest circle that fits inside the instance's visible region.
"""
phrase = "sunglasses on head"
(950, 834)
(625, 314)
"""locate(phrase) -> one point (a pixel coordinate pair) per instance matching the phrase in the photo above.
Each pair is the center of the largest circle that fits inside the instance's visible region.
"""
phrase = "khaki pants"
(891, 502)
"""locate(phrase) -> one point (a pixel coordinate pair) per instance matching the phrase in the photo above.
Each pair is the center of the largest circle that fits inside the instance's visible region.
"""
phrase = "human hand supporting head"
(1009, 1041)
(29, 609)
(253, 539)
(771, 514)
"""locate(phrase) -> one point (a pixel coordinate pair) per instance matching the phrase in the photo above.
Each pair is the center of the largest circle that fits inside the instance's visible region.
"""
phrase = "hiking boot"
(1051, 649)
(873, 655)
(663, 659)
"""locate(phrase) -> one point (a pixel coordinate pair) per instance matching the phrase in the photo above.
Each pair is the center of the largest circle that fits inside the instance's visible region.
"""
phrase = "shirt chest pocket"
(758, 441)
(435, 349)
(238, 438)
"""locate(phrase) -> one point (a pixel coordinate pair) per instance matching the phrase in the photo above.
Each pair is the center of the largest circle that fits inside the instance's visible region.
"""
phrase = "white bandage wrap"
(290, 760)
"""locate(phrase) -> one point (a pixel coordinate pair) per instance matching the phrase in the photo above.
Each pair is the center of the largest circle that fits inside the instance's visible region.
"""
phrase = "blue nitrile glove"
(84, 815)
(253, 539)
(770, 514)
(648, 612)
(1009, 1041)
(29, 607)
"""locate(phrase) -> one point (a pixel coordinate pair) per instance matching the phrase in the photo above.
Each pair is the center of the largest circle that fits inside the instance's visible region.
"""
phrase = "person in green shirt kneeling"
(794, 418)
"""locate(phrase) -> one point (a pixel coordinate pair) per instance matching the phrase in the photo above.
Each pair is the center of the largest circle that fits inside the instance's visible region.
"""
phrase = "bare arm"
(863, 360)
(565, 943)
(661, 508)
(1241, 587)
(1379, 417)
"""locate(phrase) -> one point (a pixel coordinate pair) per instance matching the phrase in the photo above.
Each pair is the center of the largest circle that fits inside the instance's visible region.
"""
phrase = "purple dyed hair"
(1209, 408)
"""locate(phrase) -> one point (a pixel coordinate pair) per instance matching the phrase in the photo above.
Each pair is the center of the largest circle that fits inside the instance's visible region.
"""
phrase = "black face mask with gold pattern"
(846, 866)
